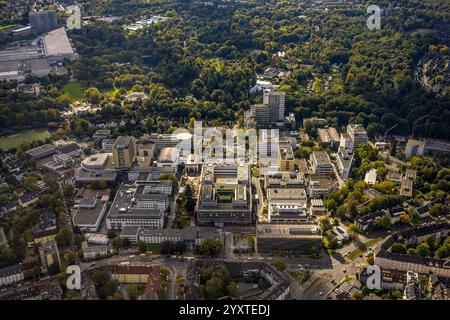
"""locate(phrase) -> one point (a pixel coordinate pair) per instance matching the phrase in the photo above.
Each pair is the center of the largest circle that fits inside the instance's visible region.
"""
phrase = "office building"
(169, 157)
(286, 159)
(285, 180)
(320, 163)
(42, 21)
(329, 137)
(187, 235)
(344, 163)
(345, 142)
(42, 151)
(320, 187)
(133, 206)
(276, 102)
(89, 212)
(292, 238)
(357, 134)
(287, 205)
(260, 113)
(124, 152)
(225, 194)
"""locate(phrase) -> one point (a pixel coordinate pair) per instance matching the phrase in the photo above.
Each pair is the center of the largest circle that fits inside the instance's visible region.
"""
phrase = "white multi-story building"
(344, 163)
(11, 274)
(320, 163)
(357, 134)
(133, 207)
(321, 187)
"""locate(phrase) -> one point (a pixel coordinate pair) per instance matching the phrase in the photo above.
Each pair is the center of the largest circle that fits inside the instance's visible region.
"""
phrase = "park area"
(74, 90)
(12, 141)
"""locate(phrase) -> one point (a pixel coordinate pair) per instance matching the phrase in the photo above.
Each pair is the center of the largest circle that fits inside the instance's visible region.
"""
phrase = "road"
(260, 207)
(341, 182)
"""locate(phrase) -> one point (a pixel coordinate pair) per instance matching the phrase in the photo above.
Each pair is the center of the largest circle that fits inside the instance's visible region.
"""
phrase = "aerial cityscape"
(224, 150)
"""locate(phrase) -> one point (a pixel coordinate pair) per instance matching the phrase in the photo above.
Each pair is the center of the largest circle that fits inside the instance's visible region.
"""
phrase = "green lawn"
(10, 26)
(357, 252)
(74, 90)
(14, 140)
(153, 247)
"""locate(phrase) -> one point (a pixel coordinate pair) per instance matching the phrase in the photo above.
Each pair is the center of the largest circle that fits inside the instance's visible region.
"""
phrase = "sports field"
(12, 141)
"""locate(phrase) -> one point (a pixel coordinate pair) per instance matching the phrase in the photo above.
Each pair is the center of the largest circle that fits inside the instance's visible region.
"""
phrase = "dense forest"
(203, 60)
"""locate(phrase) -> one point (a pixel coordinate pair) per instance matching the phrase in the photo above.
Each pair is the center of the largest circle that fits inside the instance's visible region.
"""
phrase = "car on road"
(344, 270)
(320, 293)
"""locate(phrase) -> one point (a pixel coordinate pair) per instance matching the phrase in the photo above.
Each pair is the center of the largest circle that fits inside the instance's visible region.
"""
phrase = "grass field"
(10, 26)
(357, 252)
(13, 141)
(74, 90)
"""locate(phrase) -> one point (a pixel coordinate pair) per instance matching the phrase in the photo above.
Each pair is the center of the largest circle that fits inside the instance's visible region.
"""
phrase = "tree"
(7, 257)
(64, 237)
(142, 246)
(353, 230)
(357, 295)
(54, 268)
(214, 288)
(111, 234)
(423, 250)
(167, 247)
(280, 264)
(132, 292)
(70, 257)
(188, 200)
(179, 247)
(108, 289)
(405, 218)
(398, 248)
(93, 95)
(100, 278)
(210, 247)
(438, 209)
(232, 289)
(117, 243)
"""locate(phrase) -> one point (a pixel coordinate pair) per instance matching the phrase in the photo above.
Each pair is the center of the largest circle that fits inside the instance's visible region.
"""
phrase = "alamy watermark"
(74, 20)
(228, 146)
(374, 277)
(374, 20)
(74, 280)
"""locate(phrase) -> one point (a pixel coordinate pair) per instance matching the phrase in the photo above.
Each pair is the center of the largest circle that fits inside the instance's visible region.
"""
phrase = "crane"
(415, 122)
(393, 127)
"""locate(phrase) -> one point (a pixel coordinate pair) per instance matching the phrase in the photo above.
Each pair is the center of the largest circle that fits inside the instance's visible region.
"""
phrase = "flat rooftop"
(57, 43)
(295, 231)
(88, 216)
(321, 157)
(124, 206)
